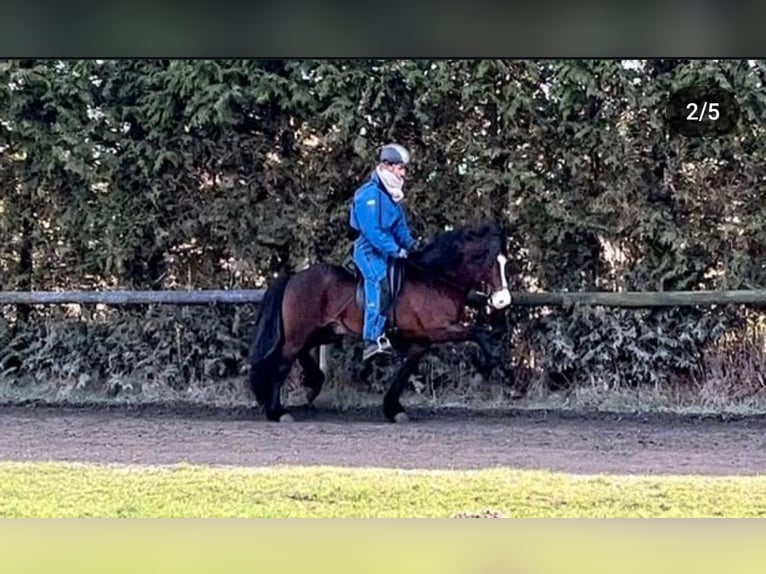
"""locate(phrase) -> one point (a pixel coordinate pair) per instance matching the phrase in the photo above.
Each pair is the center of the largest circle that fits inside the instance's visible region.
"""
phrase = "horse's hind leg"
(299, 347)
(313, 377)
(273, 405)
(266, 380)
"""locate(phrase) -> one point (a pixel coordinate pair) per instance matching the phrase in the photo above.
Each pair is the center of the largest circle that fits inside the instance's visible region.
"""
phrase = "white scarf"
(392, 182)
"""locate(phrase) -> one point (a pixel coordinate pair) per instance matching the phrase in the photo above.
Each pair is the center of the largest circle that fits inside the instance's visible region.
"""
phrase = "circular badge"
(702, 111)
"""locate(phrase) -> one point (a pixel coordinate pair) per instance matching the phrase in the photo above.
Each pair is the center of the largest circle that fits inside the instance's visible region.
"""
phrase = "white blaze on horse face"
(501, 298)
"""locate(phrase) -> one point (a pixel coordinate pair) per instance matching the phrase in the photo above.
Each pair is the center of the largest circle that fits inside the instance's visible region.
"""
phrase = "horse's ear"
(481, 231)
(494, 228)
(464, 234)
(476, 231)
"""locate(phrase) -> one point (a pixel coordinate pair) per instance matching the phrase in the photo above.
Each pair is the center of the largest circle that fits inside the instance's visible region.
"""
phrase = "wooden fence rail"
(643, 298)
(239, 296)
(203, 297)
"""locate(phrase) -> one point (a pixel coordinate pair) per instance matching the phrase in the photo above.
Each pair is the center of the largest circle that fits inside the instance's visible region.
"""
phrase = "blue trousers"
(373, 268)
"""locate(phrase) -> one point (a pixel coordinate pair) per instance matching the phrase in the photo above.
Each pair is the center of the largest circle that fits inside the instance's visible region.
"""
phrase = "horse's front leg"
(392, 408)
(451, 333)
(490, 359)
(460, 333)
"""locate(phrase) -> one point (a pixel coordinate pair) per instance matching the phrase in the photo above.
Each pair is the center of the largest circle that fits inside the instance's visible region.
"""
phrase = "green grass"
(83, 490)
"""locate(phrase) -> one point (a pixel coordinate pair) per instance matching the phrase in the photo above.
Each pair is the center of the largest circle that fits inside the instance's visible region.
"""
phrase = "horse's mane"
(442, 255)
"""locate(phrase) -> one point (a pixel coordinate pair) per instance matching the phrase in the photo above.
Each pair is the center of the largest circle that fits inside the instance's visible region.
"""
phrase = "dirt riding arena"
(576, 443)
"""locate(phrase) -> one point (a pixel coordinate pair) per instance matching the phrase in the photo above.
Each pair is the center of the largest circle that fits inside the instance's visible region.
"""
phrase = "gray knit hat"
(394, 153)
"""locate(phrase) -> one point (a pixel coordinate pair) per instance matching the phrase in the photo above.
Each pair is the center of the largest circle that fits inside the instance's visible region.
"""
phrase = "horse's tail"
(268, 338)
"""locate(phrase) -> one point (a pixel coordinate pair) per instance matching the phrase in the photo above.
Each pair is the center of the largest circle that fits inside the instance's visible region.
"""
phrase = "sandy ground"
(587, 443)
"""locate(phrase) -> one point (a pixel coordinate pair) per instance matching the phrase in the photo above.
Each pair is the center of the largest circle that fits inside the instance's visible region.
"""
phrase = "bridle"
(501, 298)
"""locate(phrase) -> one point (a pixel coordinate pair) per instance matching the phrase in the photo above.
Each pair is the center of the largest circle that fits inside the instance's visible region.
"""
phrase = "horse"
(324, 302)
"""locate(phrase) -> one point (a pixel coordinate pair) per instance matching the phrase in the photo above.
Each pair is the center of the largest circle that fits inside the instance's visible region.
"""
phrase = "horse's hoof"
(401, 418)
(286, 418)
(478, 380)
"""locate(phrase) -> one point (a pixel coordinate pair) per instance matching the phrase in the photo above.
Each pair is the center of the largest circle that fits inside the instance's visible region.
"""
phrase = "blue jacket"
(380, 222)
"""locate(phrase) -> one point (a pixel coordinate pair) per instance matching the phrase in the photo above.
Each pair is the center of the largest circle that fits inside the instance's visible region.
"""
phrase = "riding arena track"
(579, 443)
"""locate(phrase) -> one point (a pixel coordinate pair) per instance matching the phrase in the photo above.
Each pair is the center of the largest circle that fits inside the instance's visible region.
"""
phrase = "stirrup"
(384, 343)
(381, 345)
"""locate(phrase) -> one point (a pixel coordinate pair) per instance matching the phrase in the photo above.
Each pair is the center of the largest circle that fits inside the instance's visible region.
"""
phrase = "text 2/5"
(703, 111)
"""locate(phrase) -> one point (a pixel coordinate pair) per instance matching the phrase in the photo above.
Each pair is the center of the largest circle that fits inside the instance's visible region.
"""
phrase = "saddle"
(391, 288)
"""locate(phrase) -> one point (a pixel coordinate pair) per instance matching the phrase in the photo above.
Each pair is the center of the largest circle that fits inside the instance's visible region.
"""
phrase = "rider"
(378, 216)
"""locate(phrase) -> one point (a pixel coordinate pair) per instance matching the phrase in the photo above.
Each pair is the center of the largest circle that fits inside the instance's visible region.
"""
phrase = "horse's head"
(484, 262)
(472, 257)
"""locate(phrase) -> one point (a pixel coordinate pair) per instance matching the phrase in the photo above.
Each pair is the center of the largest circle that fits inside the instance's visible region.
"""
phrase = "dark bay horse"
(317, 305)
